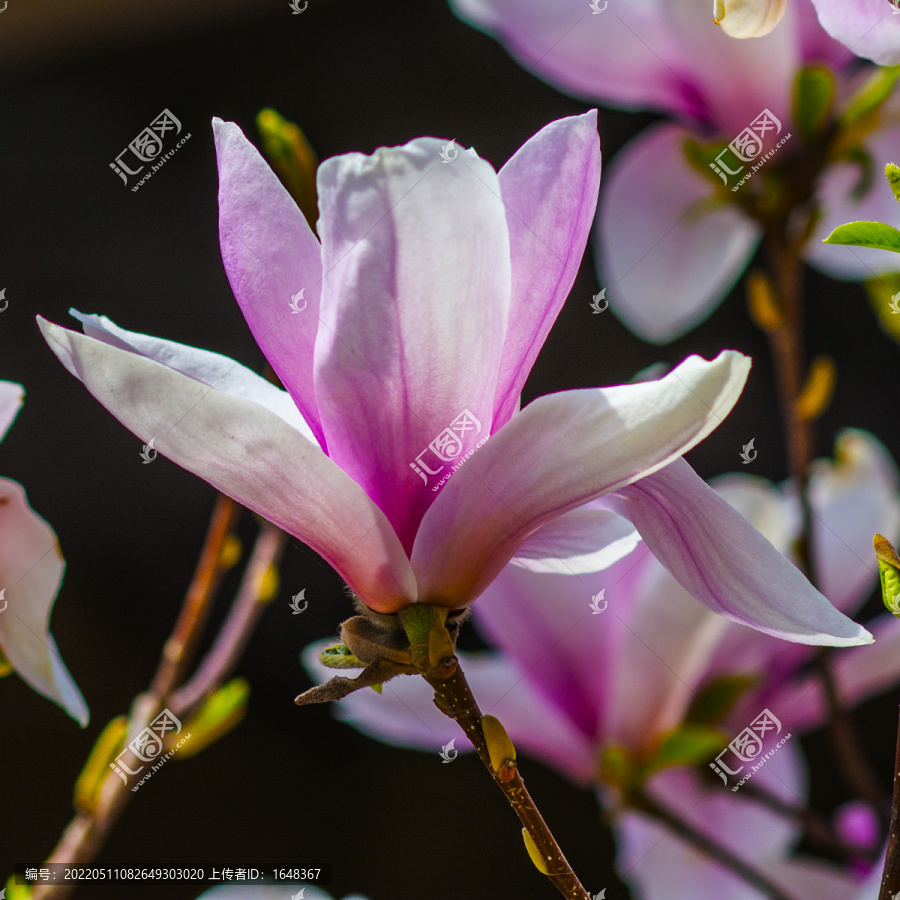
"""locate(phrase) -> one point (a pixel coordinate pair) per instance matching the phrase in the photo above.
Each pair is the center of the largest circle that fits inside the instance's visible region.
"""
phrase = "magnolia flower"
(667, 252)
(433, 288)
(31, 571)
(748, 18)
(569, 684)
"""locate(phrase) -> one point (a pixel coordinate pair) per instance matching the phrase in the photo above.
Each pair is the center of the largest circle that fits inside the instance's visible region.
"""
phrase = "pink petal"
(550, 192)
(867, 28)
(31, 571)
(249, 453)
(414, 311)
(655, 220)
(270, 255)
(11, 395)
(727, 564)
(560, 452)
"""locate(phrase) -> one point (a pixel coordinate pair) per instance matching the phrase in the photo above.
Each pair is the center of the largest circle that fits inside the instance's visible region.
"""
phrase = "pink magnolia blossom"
(568, 683)
(430, 294)
(666, 253)
(31, 571)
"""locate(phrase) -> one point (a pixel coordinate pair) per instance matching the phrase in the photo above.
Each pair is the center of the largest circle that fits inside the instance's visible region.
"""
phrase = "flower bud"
(748, 18)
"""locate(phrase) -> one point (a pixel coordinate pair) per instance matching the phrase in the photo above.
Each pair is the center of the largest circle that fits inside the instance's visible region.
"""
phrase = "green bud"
(105, 750)
(340, 657)
(221, 712)
(892, 173)
(5, 665)
(889, 571)
(500, 748)
(813, 96)
(717, 699)
(534, 853)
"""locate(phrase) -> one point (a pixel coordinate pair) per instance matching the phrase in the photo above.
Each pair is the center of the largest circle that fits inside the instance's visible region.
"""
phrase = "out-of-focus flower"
(570, 686)
(424, 265)
(270, 892)
(667, 247)
(31, 571)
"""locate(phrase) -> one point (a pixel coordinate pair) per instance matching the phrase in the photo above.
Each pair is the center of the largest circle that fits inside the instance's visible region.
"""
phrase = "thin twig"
(454, 698)
(717, 853)
(86, 833)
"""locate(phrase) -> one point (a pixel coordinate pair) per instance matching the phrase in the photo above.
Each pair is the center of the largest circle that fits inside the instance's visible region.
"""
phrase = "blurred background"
(289, 786)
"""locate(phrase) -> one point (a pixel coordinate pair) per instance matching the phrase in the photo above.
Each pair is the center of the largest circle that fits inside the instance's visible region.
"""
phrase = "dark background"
(289, 786)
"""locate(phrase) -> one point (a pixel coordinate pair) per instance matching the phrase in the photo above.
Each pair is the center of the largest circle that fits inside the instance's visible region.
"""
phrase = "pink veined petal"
(270, 255)
(11, 395)
(213, 369)
(414, 311)
(549, 190)
(560, 452)
(587, 539)
(628, 57)
(655, 221)
(404, 714)
(839, 207)
(273, 892)
(727, 564)
(31, 571)
(867, 28)
(249, 453)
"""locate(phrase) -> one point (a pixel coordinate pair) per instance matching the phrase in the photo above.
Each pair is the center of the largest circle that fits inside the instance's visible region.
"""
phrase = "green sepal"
(686, 745)
(6, 667)
(339, 656)
(892, 173)
(813, 98)
(866, 234)
(889, 573)
(106, 748)
(717, 698)
(293, 159)
(617, 767)
(222, 711)
(701, 156)
(870, 97)
(882, 289)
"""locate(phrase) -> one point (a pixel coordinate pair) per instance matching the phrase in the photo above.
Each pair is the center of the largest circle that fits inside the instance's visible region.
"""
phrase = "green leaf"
(892, 173)
(871, 95)
(700, 157)
(340, 657)
(813, 97)
(889, 572)
(221, 712)
(687, 745)
(866, 234)
(717, 699)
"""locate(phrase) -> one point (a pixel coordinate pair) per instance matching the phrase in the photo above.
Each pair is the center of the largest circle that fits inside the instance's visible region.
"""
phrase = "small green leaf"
(892, 173)
(717, 699)
(884, 295)
(871, 95)
(889, 571)
(866, 234)
(687, 745)
(340, 657)
(813, 97)
(222, 711)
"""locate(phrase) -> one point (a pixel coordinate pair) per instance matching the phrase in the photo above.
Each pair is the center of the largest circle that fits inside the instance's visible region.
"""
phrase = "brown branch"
(86, 833)
(453, 697)
(890, 879)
